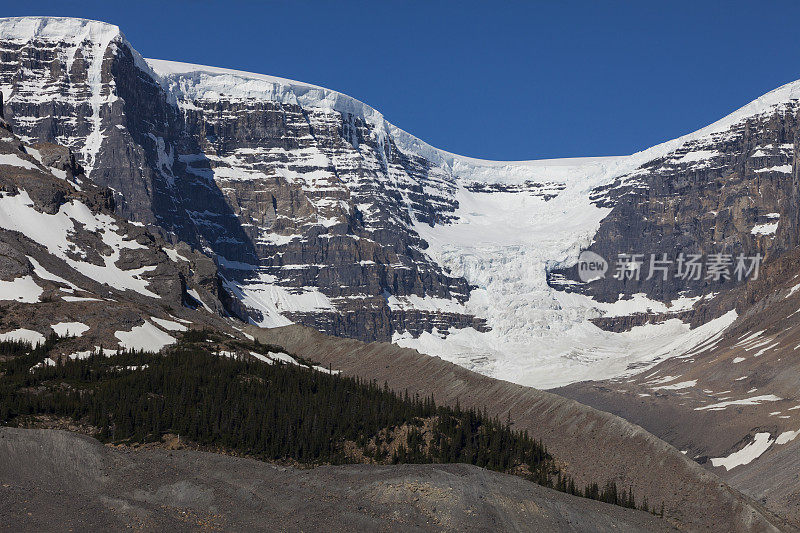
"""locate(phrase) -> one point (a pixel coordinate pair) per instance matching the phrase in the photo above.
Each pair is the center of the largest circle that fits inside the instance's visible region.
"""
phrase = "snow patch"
(749, 453)
(64, 329)
(146, 337)
(262, 293)
(783, 169)
(678, 386)
(16, 161)
(169, 325)
(22, 334)
(768, 228)
(174, 255)
(42, 273)
(262, 358)
(754, 400)
(194, 294)
(85, 354)
(47, 362)
(764, 350)
(23, 289)
(80, 299)
(787, 436)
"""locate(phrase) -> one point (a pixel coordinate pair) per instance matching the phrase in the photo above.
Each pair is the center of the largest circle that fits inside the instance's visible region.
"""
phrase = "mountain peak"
(24, 29)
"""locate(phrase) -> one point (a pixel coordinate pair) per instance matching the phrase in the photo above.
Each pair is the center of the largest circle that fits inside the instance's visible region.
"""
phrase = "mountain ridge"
(163, 68)
(298, 191)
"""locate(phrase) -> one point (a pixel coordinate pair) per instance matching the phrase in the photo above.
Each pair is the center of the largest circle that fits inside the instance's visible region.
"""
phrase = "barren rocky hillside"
(57, 480)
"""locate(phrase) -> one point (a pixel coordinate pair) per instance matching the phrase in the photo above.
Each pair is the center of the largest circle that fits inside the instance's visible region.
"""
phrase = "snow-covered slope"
(69, 266)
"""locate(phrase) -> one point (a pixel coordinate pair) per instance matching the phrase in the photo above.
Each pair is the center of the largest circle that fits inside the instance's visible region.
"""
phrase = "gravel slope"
(55, 480)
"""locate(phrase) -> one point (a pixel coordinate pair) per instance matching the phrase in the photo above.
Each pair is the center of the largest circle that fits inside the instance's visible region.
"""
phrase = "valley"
(147, 201)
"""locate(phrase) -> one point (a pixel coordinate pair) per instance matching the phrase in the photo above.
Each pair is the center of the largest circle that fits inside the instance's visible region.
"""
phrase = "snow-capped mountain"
(319, 211)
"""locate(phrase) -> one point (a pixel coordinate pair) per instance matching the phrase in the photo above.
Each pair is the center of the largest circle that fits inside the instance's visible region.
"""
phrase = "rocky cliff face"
(731, 192)
(79, 84)
(309, 212)
(328, 210)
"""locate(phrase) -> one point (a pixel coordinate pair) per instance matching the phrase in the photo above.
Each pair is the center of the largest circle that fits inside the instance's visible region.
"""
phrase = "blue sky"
(496, 80)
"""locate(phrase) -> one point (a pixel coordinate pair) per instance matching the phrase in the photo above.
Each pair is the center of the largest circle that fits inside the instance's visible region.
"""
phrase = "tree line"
(272, 412)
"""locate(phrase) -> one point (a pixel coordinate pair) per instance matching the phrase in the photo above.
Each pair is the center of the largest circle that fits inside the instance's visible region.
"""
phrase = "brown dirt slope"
(593, 444)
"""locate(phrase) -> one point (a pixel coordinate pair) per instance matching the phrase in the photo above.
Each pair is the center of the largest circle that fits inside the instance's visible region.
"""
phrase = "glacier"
(503, 243)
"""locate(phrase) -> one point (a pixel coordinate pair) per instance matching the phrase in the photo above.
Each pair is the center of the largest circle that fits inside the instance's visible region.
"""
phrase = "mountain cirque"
(318, 211)
(142, 197)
